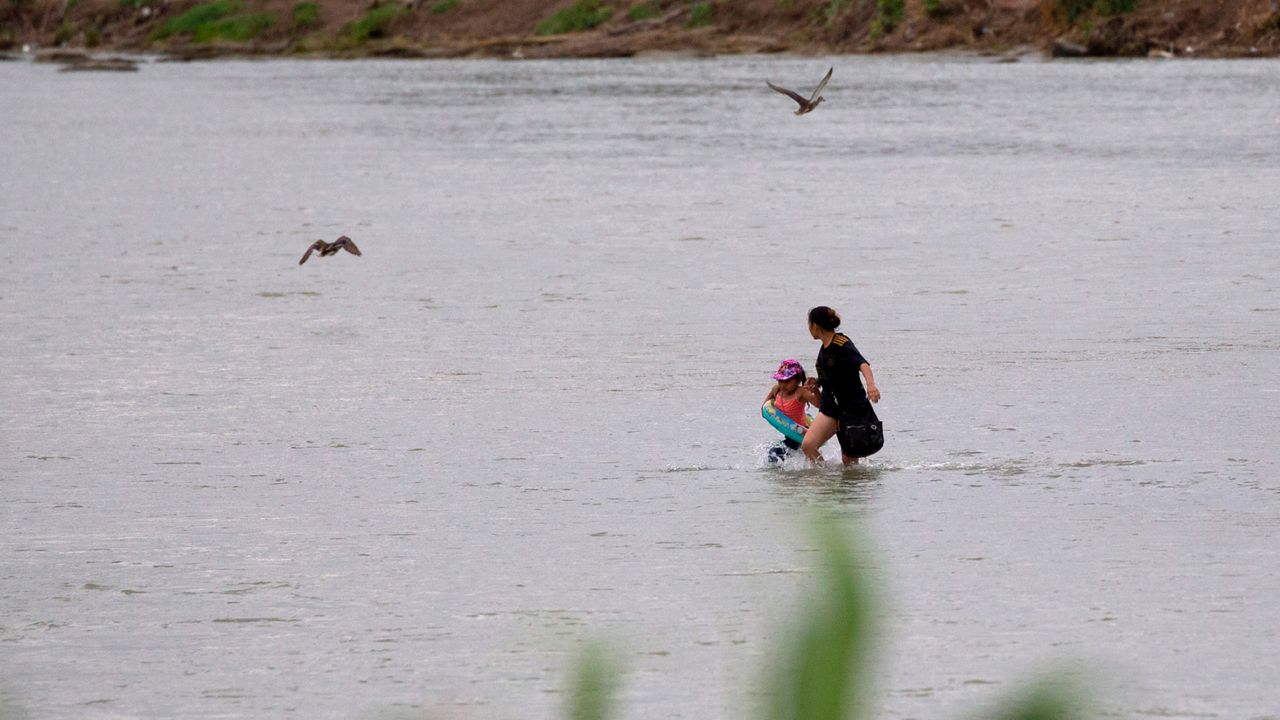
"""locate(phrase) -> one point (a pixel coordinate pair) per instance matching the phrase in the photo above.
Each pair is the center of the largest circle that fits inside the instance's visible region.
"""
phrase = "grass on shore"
(374, 24)
(1073, 9)
(582, 15)
(306, 15)
(888, 14)
(699, 16)
(642, 11)
(216, 20)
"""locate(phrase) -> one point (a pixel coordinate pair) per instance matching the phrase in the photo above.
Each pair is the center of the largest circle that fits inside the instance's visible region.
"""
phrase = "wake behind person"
(845, 409)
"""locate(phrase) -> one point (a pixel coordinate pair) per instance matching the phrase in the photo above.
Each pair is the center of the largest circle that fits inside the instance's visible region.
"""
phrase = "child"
(790, 395)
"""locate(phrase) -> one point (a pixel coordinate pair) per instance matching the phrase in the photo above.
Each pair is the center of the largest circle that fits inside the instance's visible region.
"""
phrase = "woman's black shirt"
(841, 381)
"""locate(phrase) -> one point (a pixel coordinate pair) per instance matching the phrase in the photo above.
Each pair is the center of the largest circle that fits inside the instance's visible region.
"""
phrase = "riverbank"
(599, 28)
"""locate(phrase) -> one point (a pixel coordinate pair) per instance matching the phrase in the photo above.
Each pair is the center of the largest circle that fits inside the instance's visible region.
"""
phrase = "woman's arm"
(810, 396)
(873, 392)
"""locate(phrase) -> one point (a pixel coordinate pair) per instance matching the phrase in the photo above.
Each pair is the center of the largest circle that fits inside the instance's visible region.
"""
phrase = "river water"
(415, 483)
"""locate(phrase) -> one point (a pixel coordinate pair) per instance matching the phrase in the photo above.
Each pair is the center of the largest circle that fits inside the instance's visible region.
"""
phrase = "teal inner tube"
(783, 424)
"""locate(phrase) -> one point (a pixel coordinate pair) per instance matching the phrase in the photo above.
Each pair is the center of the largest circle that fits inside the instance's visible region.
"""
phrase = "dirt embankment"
(609, 28)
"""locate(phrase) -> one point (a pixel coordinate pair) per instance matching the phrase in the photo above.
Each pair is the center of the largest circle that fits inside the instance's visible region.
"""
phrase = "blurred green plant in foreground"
(825, 672)
(594, 680)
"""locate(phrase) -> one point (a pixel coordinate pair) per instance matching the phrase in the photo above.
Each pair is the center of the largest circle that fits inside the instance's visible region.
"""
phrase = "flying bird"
(331, 248)
(806, 106)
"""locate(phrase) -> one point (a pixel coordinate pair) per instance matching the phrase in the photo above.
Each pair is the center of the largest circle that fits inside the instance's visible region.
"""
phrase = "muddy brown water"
(417, 481)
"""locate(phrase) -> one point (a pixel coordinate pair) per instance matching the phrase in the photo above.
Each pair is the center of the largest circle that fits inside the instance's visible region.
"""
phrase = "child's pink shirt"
(793, 408)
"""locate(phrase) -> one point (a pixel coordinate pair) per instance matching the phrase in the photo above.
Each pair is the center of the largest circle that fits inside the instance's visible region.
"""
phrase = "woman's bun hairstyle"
(824, 317)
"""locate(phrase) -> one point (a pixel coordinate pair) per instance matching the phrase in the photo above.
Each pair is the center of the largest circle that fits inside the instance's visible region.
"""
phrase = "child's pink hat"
(788, 369)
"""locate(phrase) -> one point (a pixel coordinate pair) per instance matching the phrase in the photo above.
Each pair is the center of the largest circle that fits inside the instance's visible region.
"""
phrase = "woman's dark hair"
(824, 317)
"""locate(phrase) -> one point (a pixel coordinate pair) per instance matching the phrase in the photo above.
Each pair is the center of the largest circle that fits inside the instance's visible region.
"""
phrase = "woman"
(844, 410)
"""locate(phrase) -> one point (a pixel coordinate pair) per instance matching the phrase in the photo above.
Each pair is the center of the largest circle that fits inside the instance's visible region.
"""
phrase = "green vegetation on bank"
(825, 664)
(582, 15)
(699, 16)
(642, 11)
(888, 14)
(1204, 28)
(195, 18)
(1073, 9)
(241, 28)
(216, 20)
(306, 15)
(374, 24)
(832, 10)
(66, 31)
